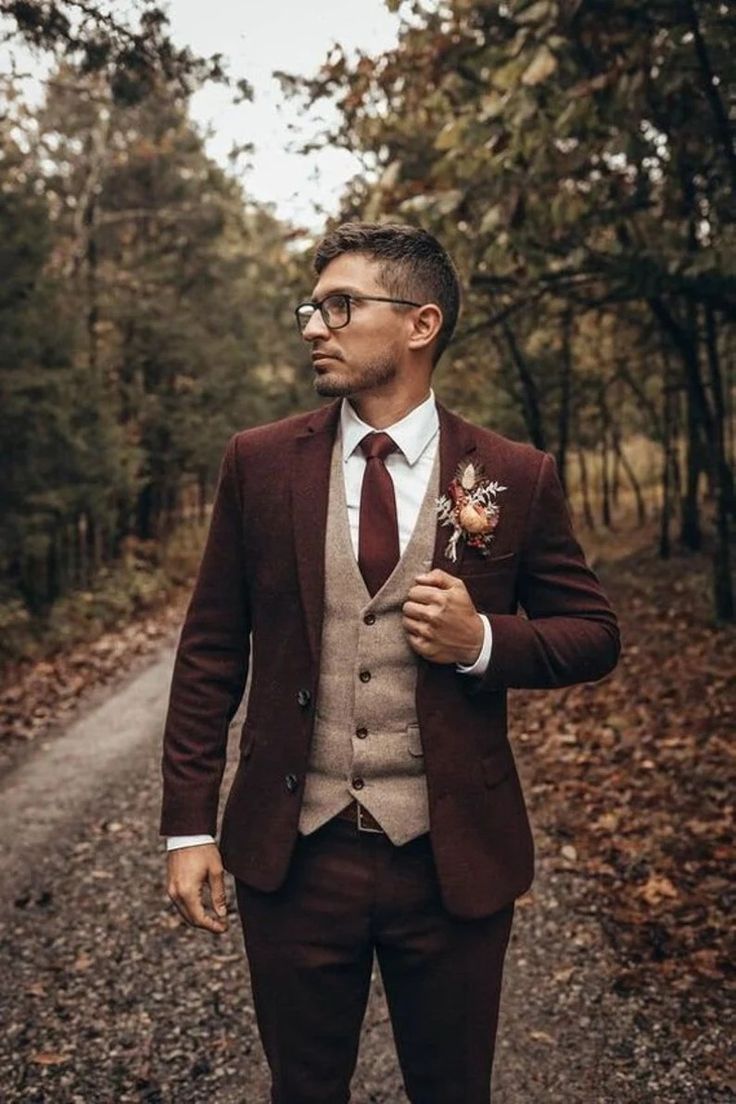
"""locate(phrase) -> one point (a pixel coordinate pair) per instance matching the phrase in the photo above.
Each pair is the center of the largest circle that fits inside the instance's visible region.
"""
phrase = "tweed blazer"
(258, 603)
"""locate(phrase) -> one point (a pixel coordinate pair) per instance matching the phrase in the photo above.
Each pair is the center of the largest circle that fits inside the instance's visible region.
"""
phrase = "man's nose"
(315, 327)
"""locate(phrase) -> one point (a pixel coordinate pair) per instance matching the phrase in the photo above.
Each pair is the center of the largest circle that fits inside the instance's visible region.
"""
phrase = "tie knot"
(377, 446)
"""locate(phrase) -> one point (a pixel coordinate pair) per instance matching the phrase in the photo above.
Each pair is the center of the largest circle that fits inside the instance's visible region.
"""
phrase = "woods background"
(578, 160)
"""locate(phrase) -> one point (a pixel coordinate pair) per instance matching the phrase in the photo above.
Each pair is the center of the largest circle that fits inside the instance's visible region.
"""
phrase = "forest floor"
(617, 987)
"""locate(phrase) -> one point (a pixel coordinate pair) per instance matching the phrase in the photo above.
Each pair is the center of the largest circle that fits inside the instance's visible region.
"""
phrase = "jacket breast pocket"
(477, 566)
(493, 588)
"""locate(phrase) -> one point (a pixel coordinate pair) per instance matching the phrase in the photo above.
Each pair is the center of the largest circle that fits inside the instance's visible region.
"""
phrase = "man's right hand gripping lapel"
(189, 870)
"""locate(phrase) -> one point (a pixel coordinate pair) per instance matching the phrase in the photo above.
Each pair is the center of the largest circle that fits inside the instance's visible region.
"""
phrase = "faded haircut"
(413, 265)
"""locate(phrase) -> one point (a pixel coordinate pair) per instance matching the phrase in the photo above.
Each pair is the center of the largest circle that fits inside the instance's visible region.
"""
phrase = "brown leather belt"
(360, 817)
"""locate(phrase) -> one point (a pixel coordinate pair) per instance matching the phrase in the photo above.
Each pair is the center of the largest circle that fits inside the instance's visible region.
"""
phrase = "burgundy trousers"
(310, 948)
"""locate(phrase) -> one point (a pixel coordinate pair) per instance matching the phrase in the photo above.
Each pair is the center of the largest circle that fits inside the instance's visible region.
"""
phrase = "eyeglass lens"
(334, 312)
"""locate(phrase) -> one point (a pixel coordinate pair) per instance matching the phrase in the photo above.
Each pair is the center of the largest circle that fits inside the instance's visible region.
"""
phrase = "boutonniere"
(470, 508)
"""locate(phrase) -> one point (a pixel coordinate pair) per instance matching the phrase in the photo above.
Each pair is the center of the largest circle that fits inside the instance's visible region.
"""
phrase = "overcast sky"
(256, 37)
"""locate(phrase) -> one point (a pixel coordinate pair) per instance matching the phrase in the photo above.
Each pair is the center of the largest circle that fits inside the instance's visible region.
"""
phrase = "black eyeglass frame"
(318, 305)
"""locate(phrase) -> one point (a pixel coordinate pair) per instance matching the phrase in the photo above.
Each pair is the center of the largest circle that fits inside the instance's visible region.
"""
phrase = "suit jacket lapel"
(457, 441)
(310, 479)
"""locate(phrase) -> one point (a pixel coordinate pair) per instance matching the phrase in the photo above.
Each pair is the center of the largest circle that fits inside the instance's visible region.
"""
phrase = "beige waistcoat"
(388, 760)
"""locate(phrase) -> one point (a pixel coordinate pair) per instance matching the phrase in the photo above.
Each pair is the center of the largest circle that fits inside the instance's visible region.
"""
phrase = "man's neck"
(380, 411)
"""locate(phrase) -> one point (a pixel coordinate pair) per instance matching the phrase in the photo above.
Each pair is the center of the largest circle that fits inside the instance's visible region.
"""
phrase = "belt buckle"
(365, 827)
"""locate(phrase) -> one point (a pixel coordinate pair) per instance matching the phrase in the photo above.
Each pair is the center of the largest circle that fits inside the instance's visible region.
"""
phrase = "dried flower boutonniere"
(470, 508)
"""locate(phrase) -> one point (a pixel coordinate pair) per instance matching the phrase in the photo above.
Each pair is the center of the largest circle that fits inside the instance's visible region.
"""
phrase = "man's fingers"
(191, 907)
(419, 629)
(415, 611)
(438, 578)
(217, 892)
(189, 869)
(425, 595)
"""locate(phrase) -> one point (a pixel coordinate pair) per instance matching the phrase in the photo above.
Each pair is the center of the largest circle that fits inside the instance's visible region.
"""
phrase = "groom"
(376, 807)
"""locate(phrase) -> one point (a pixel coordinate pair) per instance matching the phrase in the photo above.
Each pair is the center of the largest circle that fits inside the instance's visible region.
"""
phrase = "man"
(376, 807)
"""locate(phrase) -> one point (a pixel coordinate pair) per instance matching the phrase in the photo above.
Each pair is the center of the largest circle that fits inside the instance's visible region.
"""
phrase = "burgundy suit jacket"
(258, 600)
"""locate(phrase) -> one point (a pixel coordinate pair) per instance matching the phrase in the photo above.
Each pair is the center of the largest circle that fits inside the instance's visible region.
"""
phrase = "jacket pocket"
(414, 740)
(497, 766)
(247, 740)
(478, 567)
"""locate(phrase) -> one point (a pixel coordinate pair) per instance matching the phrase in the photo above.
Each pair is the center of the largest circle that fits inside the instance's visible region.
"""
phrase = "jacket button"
(369, 619)
(361, 733)
(303, 697)
(358, 783)
(365, 676)
(291, 782)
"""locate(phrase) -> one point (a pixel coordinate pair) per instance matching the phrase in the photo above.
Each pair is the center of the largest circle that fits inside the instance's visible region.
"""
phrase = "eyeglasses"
(335, 309)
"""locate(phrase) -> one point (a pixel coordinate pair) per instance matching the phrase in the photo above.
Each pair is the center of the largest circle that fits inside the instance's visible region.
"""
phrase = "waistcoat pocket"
(414, 740)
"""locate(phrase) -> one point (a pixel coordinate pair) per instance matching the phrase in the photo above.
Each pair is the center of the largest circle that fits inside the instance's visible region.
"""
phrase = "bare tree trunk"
(82, 557)
(690, 532)
(615, 472)
(676, 446)
(696, 413)
(724, 490)
(641, 510)
(529, 394)
(605, 459)
(669, 398)
(710, 86)
(725, 478)
(585, 488)
(700, 415)
(605, 483)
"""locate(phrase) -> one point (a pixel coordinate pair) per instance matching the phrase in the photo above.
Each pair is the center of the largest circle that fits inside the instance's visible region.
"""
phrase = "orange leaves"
(656, 888)
(634, 776)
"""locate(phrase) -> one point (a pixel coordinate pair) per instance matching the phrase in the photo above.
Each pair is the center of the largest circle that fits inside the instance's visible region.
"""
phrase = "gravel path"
(107, 997)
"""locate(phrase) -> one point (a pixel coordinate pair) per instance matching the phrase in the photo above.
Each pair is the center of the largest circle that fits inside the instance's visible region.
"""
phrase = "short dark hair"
(413, 265)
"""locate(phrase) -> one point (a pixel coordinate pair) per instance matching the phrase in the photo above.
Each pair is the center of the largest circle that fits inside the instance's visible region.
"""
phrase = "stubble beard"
(364, 378)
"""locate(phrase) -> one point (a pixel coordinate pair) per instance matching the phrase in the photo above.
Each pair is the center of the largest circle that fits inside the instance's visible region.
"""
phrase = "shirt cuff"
(175, 842)
(481, 664)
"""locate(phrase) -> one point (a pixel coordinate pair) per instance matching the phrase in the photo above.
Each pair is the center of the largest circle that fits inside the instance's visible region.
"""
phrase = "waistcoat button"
(303, 697)
(358, 783)
(369, 619)
(365, 676)
(361, 733)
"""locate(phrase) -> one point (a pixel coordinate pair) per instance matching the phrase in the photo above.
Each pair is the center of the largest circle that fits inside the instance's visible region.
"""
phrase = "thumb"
(217, 891)
(438, 578)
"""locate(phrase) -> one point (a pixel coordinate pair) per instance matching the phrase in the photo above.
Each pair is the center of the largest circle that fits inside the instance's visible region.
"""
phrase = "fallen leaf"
(49, 1058)
(656, 888)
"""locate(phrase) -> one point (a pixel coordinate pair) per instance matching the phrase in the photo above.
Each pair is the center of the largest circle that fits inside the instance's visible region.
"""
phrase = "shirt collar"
(412, 433)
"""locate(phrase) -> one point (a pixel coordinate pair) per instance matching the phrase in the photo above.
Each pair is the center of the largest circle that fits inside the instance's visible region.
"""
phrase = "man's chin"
(332, 387)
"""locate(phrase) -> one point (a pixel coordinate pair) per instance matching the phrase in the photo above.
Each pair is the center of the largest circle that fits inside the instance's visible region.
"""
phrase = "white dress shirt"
(417, 437)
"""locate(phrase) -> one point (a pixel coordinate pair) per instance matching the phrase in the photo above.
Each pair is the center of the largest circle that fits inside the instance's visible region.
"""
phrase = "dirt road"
(106, 997)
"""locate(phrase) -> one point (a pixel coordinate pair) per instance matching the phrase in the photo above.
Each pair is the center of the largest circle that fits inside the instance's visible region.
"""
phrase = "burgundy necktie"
(378, 535)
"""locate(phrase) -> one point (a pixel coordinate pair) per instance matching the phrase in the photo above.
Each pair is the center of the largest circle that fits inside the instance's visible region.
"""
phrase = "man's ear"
(426, 325)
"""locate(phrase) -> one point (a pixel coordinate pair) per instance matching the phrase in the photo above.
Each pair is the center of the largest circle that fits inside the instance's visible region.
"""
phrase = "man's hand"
(440, 620)
(189, 868)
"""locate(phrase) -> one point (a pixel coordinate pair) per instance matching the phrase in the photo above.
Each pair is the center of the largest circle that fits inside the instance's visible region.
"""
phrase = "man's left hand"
(440, 620)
